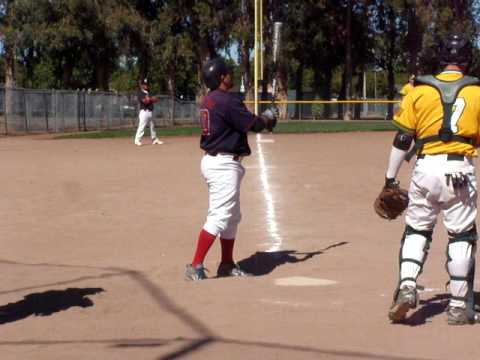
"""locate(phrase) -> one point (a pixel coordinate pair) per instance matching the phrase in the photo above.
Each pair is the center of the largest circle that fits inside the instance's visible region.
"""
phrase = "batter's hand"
(270, 117)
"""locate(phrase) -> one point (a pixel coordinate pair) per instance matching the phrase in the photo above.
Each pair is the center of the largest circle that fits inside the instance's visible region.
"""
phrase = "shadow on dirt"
(47, 303)
(263, 262)
(436, 305)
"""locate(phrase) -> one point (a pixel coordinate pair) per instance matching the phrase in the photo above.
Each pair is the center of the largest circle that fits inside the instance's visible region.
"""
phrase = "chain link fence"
(33, 111)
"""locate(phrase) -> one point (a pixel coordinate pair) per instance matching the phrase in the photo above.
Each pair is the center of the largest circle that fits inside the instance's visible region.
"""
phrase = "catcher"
(442, 114)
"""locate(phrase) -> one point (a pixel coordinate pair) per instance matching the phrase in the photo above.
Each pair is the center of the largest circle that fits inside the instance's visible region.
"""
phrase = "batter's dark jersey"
(225, 121)
(141, 96)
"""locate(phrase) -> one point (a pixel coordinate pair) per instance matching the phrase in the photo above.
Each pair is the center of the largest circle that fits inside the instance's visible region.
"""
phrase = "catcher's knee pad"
(461, 263)
(413, 253)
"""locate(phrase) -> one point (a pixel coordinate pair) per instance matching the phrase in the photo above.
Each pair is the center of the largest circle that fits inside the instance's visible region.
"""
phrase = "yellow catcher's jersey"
(421, 114)
(406, 89)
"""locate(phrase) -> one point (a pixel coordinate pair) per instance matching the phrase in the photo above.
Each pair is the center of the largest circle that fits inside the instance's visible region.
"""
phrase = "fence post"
(120, 102)
(25, 110)
(77, 97)
(54, 110)
(45, 102)
(84, 110)
(63, 111)
(109, 111)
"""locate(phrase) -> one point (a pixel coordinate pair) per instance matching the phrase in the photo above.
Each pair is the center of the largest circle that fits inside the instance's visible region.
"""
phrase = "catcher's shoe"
(406, 299)
(459, 316)
(195, 273)
(230, 269)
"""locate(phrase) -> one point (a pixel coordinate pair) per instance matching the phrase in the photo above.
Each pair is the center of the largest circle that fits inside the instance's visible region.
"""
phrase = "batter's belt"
(235, 157)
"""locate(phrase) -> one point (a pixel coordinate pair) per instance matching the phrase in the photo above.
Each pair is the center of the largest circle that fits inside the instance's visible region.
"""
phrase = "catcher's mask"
(213, 70)
(456, 49)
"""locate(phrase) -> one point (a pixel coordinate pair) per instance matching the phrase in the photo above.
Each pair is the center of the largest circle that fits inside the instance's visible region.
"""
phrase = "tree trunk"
(9, 83)
(282, 91)
(414, 39)
(359, 94)
(171, 88)
(101, 74)
(245, 63)
(326, 92)
(299, 91)
(392, 36)
(347, 115)
(172, 84)
(9, 66)
(67, 75)
(204, 52)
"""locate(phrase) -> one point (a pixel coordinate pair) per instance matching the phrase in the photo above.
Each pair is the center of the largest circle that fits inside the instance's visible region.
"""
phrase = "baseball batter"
(145, 116)
(225, 122)
(442, 114)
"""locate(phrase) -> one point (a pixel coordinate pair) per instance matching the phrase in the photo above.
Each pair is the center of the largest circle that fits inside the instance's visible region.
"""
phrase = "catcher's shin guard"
(413, 254)
(461, 268)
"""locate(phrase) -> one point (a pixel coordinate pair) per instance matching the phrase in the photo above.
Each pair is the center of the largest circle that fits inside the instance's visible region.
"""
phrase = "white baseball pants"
(144, 119)
(429, 195)
(223, 176)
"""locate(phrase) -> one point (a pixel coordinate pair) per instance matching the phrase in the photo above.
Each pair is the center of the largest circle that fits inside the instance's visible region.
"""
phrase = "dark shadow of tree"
(47, 303)
(263, 262)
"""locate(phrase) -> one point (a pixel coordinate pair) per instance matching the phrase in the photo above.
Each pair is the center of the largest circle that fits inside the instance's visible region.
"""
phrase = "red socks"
(227, 250)
(205, 241)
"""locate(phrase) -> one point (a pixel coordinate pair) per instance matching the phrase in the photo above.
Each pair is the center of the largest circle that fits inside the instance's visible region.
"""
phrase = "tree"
(244, 36)
(209, 25)
(8, 37)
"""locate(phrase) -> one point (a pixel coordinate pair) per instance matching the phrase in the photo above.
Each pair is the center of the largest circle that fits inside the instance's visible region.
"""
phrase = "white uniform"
(145, 118)
(429, 195)
(223, 175)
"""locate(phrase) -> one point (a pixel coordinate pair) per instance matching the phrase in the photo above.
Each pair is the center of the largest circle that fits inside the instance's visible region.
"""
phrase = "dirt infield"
(95, 236)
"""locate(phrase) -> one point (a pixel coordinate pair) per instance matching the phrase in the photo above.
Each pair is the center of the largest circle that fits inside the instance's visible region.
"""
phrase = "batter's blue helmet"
(213, 70)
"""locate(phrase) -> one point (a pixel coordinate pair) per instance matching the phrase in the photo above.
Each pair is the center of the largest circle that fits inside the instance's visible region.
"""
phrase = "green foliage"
(110, 44)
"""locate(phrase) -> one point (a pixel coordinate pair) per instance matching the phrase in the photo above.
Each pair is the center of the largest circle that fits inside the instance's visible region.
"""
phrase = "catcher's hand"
(391, 201)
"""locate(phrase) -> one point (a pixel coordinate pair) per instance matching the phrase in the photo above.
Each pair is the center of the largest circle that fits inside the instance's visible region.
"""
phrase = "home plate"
(266, 141)
(303, 281)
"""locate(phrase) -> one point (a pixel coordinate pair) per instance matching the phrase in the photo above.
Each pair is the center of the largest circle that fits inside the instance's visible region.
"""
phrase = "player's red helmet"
(456, 49)
(213, 70)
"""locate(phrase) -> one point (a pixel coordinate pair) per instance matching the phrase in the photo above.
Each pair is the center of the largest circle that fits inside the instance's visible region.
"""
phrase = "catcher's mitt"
(391, 201)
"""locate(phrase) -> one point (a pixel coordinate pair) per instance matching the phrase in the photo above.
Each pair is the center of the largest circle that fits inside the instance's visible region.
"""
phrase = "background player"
(224, 121)
(443, 180)
(145, 116)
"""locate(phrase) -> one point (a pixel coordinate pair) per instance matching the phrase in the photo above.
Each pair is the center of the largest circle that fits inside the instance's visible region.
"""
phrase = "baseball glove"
(391, 201)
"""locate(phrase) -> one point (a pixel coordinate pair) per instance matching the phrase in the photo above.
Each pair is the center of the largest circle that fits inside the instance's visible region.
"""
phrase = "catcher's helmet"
(456, 49)
(212, 72)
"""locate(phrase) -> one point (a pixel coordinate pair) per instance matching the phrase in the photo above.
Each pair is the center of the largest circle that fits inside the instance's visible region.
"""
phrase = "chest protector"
(448, 91)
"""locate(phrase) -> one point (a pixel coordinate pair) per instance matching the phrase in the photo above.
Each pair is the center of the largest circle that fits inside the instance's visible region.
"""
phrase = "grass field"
(282, 128)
